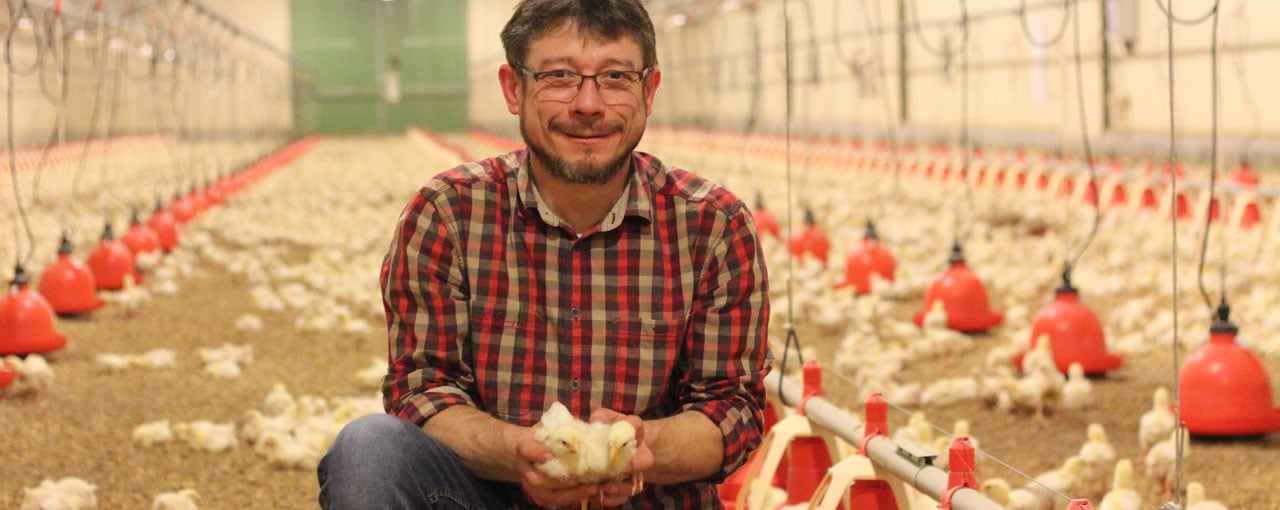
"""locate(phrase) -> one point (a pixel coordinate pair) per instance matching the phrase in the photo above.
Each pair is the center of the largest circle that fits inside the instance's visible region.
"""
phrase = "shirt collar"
(634, 202)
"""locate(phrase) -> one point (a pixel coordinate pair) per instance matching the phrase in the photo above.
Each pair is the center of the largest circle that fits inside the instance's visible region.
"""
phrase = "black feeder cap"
(19, 276)
(870, 232)
(107, 232)
(957, 254)
(64, 246)
(1222, 322)
(134, 220)
(1066, 286)
(808, 217)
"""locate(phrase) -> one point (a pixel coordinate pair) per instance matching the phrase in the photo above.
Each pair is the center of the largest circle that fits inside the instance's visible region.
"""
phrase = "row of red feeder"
(69, 287)
(1219, 368)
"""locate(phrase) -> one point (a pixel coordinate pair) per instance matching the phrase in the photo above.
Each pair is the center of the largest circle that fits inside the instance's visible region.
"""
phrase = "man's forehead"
(566, 44)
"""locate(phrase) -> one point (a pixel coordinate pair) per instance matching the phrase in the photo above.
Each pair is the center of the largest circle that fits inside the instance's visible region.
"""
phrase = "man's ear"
(651, 81)
(510, 87)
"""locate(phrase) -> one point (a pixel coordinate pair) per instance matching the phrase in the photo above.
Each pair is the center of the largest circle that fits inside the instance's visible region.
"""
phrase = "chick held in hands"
(590, 452)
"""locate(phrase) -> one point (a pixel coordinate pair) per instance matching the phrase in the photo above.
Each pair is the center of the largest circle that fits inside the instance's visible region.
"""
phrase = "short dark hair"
(611, 19)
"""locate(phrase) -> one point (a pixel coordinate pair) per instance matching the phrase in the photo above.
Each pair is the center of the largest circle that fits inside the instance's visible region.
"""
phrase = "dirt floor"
(81, 427)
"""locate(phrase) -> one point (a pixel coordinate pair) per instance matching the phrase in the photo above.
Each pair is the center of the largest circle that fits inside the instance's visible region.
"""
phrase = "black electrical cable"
(1086, 143)
(13, 159)
(1211, 207)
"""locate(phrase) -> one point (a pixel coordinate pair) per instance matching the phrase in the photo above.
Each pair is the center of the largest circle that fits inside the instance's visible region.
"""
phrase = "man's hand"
(544, 490)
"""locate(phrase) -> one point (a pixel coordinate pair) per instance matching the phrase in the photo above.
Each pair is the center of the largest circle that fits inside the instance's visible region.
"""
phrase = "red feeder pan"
(963, 296)
(112, 262)
(1224, 388)
(140, 238)
(26, 321)
(165, 226)
(1075, 333)
(811, 240)
(68, 284)
(869, 258)
(766, 224)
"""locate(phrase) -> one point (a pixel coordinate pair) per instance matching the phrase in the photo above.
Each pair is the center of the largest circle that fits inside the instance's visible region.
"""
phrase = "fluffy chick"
(69, 493)
(184, 499)
(1156, 424)
(1076, 391)
(1123, 495)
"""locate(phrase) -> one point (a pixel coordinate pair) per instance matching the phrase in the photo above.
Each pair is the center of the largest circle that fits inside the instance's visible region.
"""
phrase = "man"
(578, 271)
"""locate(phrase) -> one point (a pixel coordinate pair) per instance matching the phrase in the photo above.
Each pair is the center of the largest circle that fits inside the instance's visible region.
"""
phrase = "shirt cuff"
(740, 426)
(420, 407)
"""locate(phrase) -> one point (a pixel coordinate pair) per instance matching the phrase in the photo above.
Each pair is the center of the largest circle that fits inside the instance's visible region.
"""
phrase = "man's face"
(582, 134)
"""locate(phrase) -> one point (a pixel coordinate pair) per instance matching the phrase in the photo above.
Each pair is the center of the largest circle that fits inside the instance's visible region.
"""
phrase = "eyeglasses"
(561, 85)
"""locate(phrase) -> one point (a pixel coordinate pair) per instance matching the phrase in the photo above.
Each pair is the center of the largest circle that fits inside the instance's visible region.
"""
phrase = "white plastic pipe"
(883, 451)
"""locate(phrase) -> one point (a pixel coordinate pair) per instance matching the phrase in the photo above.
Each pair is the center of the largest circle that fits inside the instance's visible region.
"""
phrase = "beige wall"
(1015, 90)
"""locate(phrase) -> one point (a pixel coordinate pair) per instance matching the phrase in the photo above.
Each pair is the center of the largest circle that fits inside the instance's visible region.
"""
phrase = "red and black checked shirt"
(660, 309)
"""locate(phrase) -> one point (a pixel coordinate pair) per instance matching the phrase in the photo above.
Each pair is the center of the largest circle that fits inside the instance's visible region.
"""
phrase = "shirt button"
(573, 312)
(573, 385)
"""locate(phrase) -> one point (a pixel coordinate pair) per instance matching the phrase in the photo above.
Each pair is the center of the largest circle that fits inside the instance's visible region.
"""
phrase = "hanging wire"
(1213, 165)
(22, 18)
(966, 144)
(1170, 20)
(944, 52)
(1168, 13)
(789, 326)
(1241, 29)
(63, 62)
(1062, 29)
(13, 158)
(97, 60)
(1074, 260)
(891, 126)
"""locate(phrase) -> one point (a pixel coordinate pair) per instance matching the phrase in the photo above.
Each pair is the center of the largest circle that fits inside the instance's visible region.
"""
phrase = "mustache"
(597, 128)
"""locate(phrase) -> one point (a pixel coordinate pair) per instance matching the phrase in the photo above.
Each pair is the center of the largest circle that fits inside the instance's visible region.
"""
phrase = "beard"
(583, 172)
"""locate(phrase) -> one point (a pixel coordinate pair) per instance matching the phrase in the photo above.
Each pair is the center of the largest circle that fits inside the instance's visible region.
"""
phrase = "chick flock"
(258, 234)
(1016, 242)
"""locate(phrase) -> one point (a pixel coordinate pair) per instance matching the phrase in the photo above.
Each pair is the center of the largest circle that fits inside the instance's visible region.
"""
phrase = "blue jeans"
(382, 462)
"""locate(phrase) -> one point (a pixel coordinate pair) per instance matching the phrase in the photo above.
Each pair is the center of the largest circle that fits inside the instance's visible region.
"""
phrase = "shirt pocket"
(507, 354)
(645, 364)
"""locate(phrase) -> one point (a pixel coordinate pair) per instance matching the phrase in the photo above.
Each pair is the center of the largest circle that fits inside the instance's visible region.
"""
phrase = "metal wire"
(13, 158)
(1074, 260)
(1062, 29)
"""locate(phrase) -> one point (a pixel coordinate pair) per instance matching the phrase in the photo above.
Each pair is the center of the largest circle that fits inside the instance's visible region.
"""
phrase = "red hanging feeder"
(184, 208)
(1224, 388)
(810, 240)
(112, 262)
(869, 258)
(165, 226)
(27, 321)
(68, 284)
(1075, 333)
(766, 224)
(1245, 176)
(963, 296)
(140, 238)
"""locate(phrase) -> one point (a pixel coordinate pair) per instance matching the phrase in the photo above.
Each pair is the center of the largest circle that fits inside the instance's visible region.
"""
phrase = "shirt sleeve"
(425, 298)
(727, 347)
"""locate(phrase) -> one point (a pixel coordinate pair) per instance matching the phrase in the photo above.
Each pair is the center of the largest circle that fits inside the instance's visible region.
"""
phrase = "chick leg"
(637, 483)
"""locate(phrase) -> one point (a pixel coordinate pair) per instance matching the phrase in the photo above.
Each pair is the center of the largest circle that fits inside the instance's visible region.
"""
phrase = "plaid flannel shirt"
(660, 309)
